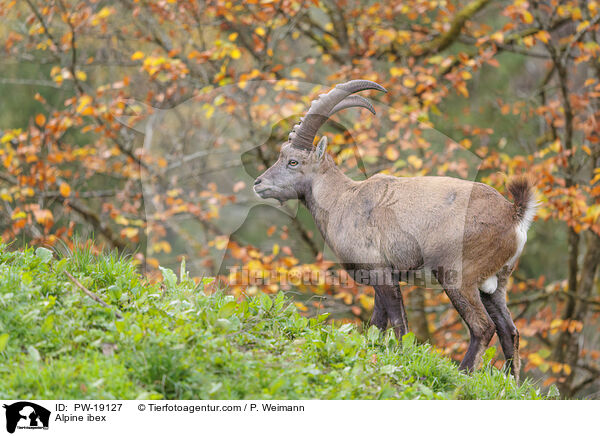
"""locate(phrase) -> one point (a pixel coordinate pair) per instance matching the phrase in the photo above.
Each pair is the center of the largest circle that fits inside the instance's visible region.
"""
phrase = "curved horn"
(322, 108)
(353, 101)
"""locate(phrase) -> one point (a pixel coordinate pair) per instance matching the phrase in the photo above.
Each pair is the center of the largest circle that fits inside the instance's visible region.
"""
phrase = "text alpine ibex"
(465, 233)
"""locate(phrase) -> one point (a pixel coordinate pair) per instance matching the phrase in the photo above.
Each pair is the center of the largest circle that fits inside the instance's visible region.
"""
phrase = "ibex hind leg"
(465, 298)
(495, 304)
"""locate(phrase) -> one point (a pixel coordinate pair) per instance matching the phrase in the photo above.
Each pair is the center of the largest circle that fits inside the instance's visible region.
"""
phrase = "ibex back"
(465, 233)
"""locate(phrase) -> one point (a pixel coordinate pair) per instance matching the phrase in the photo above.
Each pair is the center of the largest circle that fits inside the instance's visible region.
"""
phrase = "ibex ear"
(321, 147)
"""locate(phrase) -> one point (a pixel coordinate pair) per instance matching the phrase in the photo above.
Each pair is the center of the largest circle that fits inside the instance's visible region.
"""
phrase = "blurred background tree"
(141, 123)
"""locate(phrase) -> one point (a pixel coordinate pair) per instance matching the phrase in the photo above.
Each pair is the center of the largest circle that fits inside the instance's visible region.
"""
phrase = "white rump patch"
(490, 285)
(522, 227)
(521, 232)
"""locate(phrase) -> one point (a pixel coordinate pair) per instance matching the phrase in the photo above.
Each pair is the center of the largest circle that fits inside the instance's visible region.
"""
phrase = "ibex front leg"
(379, 318)
(388, 298)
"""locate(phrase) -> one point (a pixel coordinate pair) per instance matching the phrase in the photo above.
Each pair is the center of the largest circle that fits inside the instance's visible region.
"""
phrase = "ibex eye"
(293, 163)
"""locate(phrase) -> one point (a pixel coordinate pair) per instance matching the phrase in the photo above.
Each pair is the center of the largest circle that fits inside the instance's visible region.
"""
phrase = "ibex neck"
(324, 191)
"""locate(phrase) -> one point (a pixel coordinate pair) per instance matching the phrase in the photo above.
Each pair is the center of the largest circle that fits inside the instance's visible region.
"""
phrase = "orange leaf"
(40, 119)
(543, 36)
(301, 306)
(65, 189)
(43, 216)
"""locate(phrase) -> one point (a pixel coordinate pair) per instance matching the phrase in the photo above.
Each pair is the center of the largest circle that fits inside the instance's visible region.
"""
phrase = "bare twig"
(90, 294)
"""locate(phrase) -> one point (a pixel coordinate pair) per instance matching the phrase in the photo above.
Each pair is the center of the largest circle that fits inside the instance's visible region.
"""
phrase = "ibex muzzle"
(465, 233)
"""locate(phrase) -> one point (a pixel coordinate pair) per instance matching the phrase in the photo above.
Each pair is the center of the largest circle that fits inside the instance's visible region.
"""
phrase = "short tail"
(522, 191)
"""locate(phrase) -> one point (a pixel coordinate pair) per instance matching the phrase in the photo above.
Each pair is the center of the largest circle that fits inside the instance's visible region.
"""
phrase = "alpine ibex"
(465, 233)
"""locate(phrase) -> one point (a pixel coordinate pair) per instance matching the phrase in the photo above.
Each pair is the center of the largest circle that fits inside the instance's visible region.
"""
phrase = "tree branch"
(446, 39)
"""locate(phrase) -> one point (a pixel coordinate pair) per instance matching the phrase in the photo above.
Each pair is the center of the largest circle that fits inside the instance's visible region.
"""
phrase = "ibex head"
(299, 161)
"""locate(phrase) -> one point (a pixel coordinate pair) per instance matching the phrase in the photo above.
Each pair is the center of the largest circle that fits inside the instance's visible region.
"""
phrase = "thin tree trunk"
(419, 324)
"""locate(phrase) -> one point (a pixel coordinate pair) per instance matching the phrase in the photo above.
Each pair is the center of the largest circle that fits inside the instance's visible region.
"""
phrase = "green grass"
(175, 342)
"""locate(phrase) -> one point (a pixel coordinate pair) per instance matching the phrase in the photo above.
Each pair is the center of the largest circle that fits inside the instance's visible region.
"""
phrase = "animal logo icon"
(26, 415)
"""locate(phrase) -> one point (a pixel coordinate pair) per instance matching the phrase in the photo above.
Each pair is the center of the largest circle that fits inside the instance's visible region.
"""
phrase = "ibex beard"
(440, 224)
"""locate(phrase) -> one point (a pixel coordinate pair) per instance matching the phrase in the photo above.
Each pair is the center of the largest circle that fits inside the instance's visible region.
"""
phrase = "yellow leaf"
(84, 100)
(209, 111)
(498, 37)
(7, 137)
(396, 72)
(137, 55)
(260, 31)
(409, 82)
(221, 242)
(27, 192)
(391, 153)
(235, 53)
(366, 301)
(219, 100)
(527, 17)
(40, 119)
(81, 75)
(18, 215)
(161, 246)
(415, 161)
(65, 189)
(297, 73)
(535, 359)
(582, 25)
(275, 249)
(255, 265)
(233, 36)
(104, 12)
(129, 232)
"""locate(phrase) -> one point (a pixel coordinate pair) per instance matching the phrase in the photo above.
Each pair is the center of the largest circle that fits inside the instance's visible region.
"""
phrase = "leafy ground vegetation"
(477, 89)
(171, 340)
